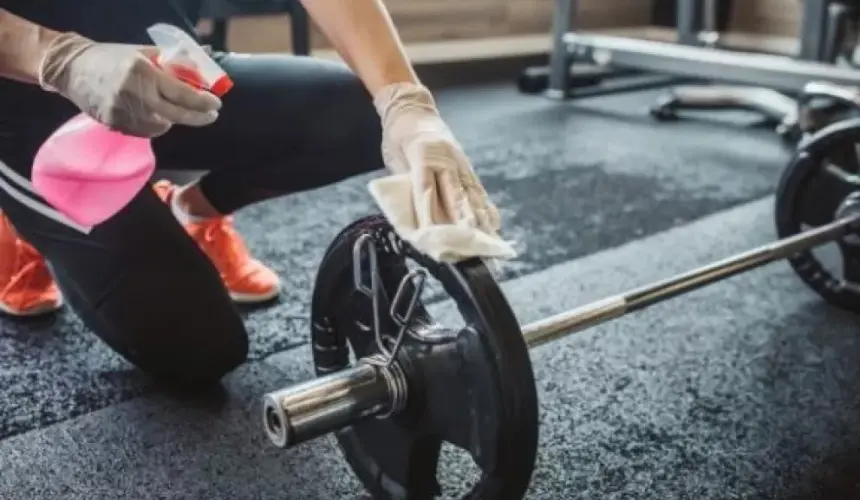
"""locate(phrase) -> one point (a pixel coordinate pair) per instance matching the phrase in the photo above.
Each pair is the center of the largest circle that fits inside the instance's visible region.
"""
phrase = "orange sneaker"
(247, 280)
(26, 285)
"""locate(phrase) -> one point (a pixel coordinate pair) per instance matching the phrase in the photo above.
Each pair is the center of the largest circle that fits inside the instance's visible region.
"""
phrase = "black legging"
(138, 281)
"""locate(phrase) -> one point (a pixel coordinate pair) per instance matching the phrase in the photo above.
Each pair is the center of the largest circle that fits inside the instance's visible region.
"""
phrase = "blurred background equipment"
(752, 78)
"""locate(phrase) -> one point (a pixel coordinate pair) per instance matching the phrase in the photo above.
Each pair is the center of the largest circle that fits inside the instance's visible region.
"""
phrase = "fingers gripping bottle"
(87, 171)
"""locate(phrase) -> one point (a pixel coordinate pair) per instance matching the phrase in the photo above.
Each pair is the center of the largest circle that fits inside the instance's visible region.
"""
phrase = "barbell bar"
(393, 388)
(317, 407)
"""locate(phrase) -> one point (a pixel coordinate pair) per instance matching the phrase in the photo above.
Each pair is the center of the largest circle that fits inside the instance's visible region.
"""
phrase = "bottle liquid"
(89, 172)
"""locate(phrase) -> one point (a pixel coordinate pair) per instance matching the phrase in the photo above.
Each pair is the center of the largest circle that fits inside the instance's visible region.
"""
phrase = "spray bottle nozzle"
(184, 58)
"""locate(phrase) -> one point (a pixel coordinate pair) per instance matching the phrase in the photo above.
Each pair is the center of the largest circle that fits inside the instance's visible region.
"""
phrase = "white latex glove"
(118, 86)
(434, 199)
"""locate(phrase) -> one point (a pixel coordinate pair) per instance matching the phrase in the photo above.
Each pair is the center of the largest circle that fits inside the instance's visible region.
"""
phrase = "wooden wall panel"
(437, 20)
(776, 17)
(535, 16)
(424, 20)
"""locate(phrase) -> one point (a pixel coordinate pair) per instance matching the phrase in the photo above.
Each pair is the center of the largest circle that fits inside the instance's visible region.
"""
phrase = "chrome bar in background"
(776, 72)
(563, 324)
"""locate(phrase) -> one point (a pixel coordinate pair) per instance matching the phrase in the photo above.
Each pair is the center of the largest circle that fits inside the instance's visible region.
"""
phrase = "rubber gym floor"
(745, 389)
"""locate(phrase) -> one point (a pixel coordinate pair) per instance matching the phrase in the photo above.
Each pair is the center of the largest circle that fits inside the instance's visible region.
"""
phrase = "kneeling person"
(158, 281)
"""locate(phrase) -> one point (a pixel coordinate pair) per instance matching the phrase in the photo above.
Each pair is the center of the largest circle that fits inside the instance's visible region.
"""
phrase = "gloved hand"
(119, 87)
(434, 199)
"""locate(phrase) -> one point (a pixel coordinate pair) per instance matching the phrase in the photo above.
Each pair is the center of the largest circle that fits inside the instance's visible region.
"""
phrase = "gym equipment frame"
(777, 72)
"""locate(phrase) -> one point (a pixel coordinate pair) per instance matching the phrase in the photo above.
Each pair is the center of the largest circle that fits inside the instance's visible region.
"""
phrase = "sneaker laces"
(33, 272)
(224, 244)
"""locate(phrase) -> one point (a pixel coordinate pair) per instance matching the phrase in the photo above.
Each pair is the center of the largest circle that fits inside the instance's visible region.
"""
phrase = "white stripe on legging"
(17, 178)
(32, 204)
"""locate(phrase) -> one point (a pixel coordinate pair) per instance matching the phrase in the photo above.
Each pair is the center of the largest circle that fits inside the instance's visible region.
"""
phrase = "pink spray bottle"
(89, 172)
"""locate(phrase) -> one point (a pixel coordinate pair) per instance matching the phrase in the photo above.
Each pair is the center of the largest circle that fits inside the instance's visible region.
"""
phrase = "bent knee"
(227, 350)
(214, 352)
(191, 352)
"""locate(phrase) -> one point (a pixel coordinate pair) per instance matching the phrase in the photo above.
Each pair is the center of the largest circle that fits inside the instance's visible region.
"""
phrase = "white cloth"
(120, 87)
(433, 199)
(443, 242)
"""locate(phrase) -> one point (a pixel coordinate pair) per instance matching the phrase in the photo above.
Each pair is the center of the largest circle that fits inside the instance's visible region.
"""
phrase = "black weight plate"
(475, 389)
(818, 113)
(820, 176)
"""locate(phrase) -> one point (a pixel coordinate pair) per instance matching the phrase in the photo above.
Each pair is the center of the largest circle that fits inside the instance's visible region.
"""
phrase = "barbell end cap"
(276, 422)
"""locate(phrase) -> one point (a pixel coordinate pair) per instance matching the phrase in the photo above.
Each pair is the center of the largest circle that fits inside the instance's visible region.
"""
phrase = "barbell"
(393, 384)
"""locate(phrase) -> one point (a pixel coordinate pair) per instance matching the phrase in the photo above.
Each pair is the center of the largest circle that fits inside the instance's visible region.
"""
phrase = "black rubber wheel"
(664, 109)
(821, 175)
(819, 113)
(485, 391)
(533, 80)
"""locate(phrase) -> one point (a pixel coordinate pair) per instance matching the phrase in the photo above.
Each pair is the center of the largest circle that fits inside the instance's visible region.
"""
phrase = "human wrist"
(388, 69)
(22, 46)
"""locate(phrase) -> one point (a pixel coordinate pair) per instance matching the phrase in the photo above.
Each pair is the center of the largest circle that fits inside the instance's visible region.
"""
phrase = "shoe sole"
(36, 311)
(239, 298)
(246, 298)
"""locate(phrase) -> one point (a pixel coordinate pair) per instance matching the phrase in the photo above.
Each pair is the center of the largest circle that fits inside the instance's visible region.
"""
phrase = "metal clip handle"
(417, 277)
(404, 321)
(365, 242)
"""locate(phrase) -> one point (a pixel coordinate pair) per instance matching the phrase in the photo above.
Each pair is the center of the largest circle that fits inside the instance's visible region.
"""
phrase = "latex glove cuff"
(391, 101)
(60, 52)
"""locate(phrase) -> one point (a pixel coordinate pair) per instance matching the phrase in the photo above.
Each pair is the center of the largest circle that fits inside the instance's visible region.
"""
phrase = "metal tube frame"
(761, 70)
(559, 76)
(562, 71)
(688, 58)
(564, 21)
(814, 22)
(689, 15)
(324, 405)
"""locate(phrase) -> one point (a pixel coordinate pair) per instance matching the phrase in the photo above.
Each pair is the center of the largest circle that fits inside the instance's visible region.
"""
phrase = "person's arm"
(362, 33)
(22, 46)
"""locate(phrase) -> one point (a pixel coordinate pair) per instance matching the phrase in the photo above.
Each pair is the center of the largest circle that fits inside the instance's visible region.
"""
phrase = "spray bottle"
(89, 172)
